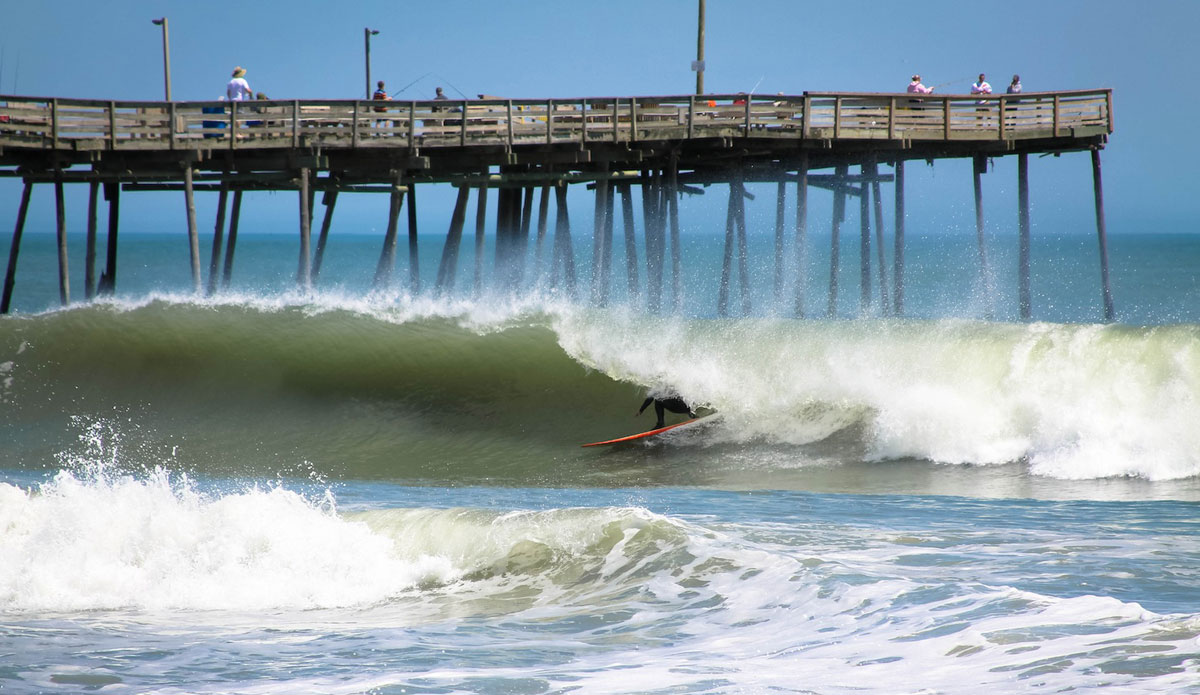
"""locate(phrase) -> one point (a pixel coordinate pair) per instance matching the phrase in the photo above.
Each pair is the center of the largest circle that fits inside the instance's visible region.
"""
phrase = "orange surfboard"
(648, 433)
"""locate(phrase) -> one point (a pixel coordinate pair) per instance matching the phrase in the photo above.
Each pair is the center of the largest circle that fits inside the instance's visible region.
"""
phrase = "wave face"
(469, 392)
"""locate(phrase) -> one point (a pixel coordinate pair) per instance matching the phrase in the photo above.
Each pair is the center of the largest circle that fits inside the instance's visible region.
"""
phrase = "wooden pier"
(524, 148)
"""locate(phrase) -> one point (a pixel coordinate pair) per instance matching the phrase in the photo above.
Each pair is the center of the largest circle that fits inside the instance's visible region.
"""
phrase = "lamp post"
(368, 32)
(162, 22)
(699, 64)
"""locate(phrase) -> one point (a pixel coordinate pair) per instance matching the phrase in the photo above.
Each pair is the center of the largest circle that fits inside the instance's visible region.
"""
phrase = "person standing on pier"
(981, 87)
(1014, 87)
(238, 88)
(915, 87)
(381, 95)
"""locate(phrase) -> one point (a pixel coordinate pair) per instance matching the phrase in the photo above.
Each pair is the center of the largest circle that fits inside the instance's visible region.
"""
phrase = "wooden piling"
(839, 213)
(564, 255)
(387, 256)
(15, 250)
(526, 223)
(108, 279)
(780, 203)
(898, 250)
(864, 244)
(672, 191)
(1102, 236)
(64, 278)
(599, 280)
(885, 305)
(985, 274)
(189, 199)
(1025, 299)
(231, 246)
(89, 274)
(414, 261)
(329, 200)
(304, 272)
(502, 251)
(801, 250)
(727, 254)
(743, 252)
(540, 241)
(651, 202)
(480, 230)
(631, 264)
(448, 267)
(218, 236)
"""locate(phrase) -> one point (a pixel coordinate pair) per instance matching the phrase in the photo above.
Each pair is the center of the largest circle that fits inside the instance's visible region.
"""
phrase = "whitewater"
(343, 491)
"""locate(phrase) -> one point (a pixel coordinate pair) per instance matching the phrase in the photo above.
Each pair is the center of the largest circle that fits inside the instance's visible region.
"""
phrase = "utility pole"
(698, 66)
(162, 22)
(367, 34)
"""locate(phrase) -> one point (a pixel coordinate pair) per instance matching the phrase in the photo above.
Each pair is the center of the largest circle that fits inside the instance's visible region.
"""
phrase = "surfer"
(675, 404)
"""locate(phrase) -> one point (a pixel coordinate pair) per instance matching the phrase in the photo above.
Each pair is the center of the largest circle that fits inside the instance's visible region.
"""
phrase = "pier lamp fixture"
(368, 32)
(162, 22)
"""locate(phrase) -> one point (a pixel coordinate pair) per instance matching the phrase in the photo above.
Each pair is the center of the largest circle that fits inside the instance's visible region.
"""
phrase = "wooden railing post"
(748, 100)
(891, 118)
(233, 125)
(354, 125)
(945, 118)
(112, 125)
(583, 121)
(462, 132)
(804, 116)
(616, 119)
(295, 123)
(1055, 115)
(54, 124)
(632, 119)
(171, 116)
(837, 117)
(549, 121)
(510, 125)
(412, 124)
(691, 117)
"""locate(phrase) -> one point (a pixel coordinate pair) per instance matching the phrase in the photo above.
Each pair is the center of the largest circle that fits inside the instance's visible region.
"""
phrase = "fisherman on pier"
(915, 87)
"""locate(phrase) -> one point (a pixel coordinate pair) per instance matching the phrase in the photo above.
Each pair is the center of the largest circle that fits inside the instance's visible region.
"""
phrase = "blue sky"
(561, 48)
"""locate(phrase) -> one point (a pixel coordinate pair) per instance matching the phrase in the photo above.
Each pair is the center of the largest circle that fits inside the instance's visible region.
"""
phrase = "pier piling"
(15, 249)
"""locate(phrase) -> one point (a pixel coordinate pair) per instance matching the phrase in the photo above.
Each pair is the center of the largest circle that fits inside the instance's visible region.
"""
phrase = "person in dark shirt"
(675, 404)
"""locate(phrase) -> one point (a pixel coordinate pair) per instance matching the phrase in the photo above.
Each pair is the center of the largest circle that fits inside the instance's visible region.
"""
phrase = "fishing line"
(405, 87)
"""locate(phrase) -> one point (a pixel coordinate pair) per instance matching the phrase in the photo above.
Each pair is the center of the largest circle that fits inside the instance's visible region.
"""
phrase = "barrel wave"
(468, 393)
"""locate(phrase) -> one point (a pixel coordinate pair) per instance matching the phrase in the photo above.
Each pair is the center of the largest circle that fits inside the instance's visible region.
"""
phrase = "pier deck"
(666, 144)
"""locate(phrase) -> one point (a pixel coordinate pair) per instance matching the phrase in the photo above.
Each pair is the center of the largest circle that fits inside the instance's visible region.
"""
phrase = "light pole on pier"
(162, 22)
(368, 32)
(698, 66)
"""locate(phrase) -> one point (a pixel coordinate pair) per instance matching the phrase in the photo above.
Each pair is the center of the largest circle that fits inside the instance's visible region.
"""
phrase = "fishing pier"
(530, 150)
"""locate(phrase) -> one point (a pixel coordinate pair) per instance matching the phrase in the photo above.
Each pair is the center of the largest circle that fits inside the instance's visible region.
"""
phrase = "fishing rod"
(443, 79)
(943, 84)
(405, 87)
(752, 91)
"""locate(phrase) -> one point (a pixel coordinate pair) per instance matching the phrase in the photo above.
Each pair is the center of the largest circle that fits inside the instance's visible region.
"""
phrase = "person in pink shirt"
(915, 87)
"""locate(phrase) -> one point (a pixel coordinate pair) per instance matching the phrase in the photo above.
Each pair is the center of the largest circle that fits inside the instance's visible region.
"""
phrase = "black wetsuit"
(674, 404)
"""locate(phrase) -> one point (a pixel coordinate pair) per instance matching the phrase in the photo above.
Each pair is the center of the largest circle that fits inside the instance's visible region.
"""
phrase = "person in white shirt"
(238, 88)
(1014, 87)
(981, 87)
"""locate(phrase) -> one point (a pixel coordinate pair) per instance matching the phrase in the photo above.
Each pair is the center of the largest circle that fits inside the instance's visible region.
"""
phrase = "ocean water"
(359, 491)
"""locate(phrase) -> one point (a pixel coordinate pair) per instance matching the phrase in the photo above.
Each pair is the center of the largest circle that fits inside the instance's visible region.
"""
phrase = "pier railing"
(84, 124)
